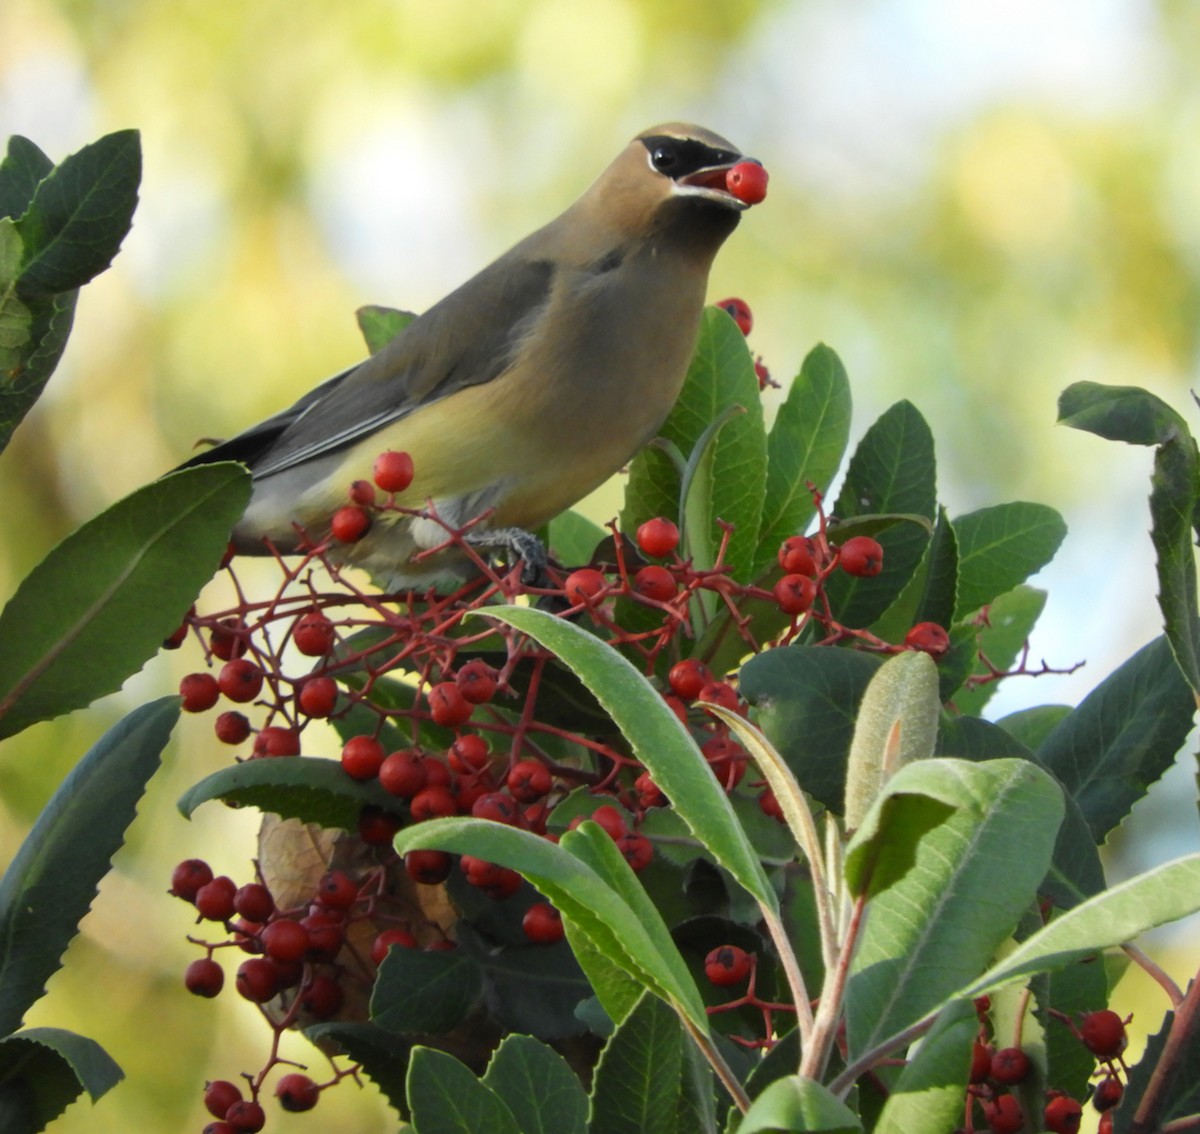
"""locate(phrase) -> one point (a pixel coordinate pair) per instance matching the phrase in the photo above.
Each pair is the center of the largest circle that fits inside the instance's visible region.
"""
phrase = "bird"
(518, 393)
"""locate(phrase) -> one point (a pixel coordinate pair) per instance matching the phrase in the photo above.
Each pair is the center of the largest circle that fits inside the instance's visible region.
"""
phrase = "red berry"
(1062, 1115)
(477, 681)
(240, 680)
(861, 556)
(796, 556)
(723, 694)
(218, 1128)
(762, 374)
(429, 867)
(285, 940)
(542, 923)
(688, 677)
(274, 740)
(747, 181)
(981, 1062)
(231, 728)
(177, 636)
(658, 537)
(448, 707)
(497, 806)
(529, 780)
(257, 980)
(362, 757)
(362, 492)
(1108, 1093)
(649, 793)
(494, 880)
(314, 634)
(1010, 1065)
(1105, 1124)
(402, 774)
(254, 902)
(377, 828)
(199, 692)
(655, 583)
(393, 471)
(769, 805)
(1103, 1033)
(318, 696)
(337, 890)
(219, 1096)
(214, 900)
(434, 802)
(437, 774)
(726, 965)
(246, 1117)
(349, 523)
(584, 586)
(1003, 1115)
(326, 933)
(610, 819)
(469, 753)
(739, 312)
(204, 977)
(229, 639)
(188, 877)
(323, 997)
(297, 1092)
(383, 943)
(637, 850)
(795, 593)
(928, 637)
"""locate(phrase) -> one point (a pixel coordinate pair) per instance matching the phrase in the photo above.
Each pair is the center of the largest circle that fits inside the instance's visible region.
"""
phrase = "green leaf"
(657, 738)
(574, 538)
(51, 882)
(24, 165)
(806, 443)
(379, 325)
(420, 991)
(1000, 547)
(930, 595)
(637, 1082)
(928, 1095)
(538, 1086)
(1071, 990)
(795, 1104)
(892, 472)
(383, 1056)
(44, 1070)
(897, 724)
(101, 603)
(1119, 413)
(970, 738)
(79, 215)
(1076, 872)
(295, 787)
(1032, 726)
(1010, 621)
(585, 899)
(1120, 914)
(732, 479)
(16, 320)
(1180, 1097)
(446, 1098)
(1122, 737)
(973, 878)
(21, 384)
(807, 700)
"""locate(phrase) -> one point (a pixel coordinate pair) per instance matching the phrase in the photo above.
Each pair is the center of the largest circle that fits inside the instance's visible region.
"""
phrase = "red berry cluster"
(995, 1072)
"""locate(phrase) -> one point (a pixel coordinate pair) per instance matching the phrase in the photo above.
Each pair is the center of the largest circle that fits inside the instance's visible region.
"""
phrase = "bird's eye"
(663, 158)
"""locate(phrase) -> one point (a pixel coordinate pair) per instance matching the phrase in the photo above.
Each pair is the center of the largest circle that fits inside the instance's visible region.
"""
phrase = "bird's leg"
(517, 543)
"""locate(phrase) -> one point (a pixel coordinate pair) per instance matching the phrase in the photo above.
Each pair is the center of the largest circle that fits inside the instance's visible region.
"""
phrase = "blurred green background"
(974, 204)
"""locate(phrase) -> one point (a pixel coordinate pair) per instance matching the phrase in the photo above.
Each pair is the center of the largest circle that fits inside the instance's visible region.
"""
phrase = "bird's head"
(671, 182)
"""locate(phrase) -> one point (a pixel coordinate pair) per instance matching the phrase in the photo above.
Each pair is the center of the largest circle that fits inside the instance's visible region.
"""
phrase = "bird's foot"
(516, 543)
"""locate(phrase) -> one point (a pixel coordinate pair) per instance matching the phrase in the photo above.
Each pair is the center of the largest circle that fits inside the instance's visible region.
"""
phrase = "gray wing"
(466, 339)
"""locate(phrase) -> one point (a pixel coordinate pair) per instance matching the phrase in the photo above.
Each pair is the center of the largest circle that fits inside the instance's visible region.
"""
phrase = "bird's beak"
(710, 184)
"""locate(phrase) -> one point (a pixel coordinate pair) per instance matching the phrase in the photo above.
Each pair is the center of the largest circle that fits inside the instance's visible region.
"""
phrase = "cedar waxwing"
(522, 390)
